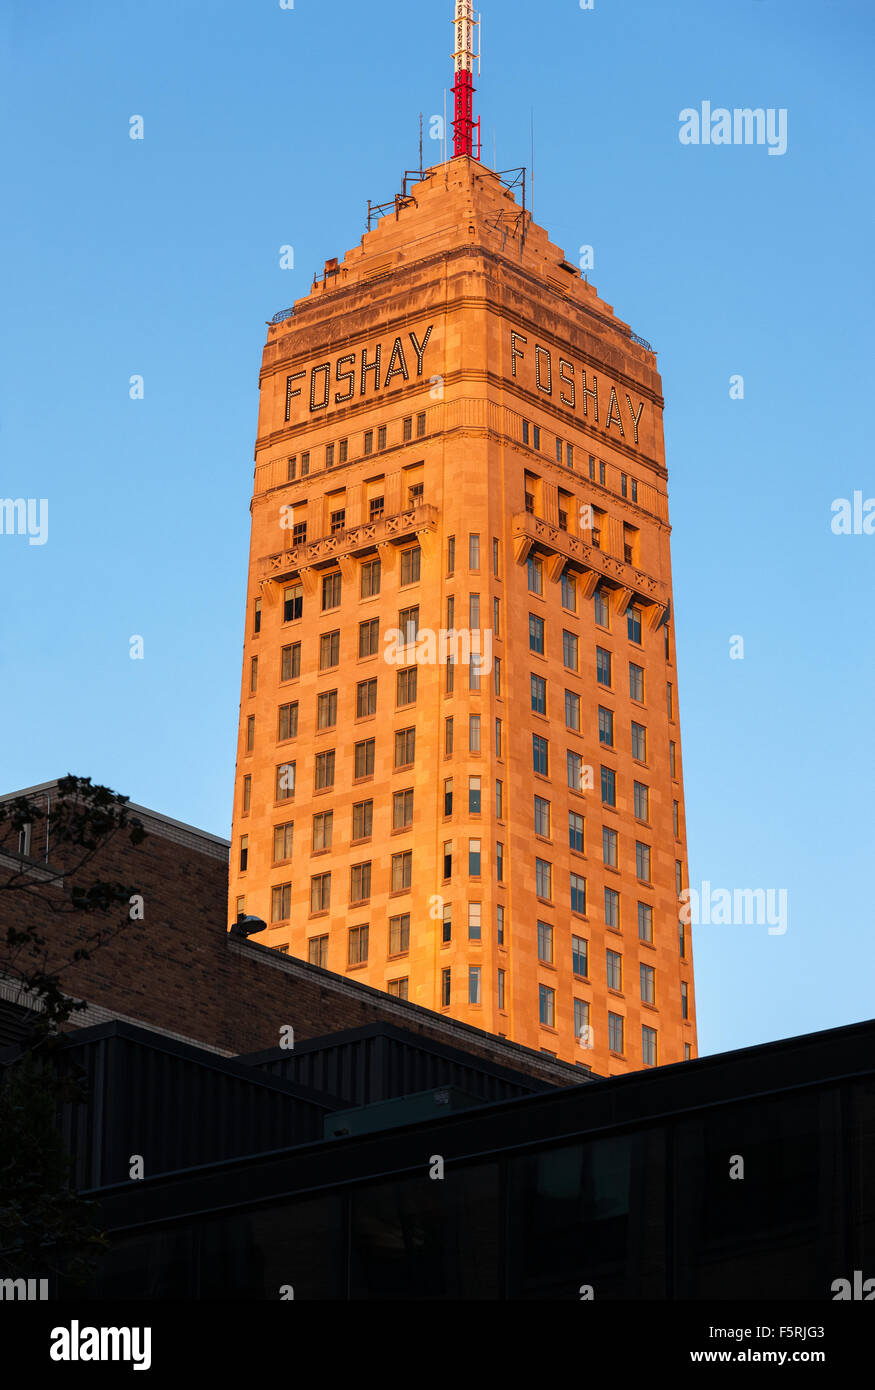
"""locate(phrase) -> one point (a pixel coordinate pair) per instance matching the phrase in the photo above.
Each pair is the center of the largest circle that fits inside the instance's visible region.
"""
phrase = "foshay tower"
(459, 771)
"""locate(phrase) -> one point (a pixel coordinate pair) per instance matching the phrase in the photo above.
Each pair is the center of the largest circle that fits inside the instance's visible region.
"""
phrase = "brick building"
(459, 772)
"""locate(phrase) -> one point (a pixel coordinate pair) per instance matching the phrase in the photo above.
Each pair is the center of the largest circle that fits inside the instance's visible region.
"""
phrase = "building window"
(24, 839)
(299, 533)
(405, 747)
(474, 733)
(285, 782)
(540, 755)
(645, 922)
(362, 820)
(542, 817)
(369, 441)
(244, 853)
(256, 623)
(253, 675)
(612, 908)
(536, 634)
(399, 989)
(575, 831)
(411, 565)
(642, 861)
(678, 877)
(538, 694)
(672, 759)
(318, 951)
(474, 796)
(381, 437)
(610, 850)
(402, 810)
(602, 606)
(572, 711)
(606, 727)
(369, 637)
(451, 555)
(402, 871)
(360, 883)
(641, 800)
(569, 593)
(446, 988)
(293, 603)
(320, 893)
(544, 879)
(636, 682)
(639, 743)
(363, 758)
(609, 787)
(324, 771)
(570, 651)
(499, 800)
(545, 943)
(648, 984)
(405, 687)
(614, 966)
(682, 940)
(250, 733)
(399, 935)
(326, 710)
(581, 1020)
(474, 984)
(499, 861)
(648, 1046)
(305, 464)
(633, 625)
(547, 1006)
(474, 858)
(358, 945)
(448, 737)
(287, 722)
(281, 903)
(371, 575)
(496, 557)
(603, 666)
(501, 998)
(580, 956)
(376, 508)
(366, 699)
(323, 831)
(344, 450)
(685, 1000)
(290, 662)
(473, 551)
(498, 729)
(499, 924)
(535, 572)
(329, 650)
(475, 921)
(578, 894)
(669, 695)
(448, 859)
(676, 818)
(329, 455)
(408, 624)
(574, 766)
(283, 839)
(420, 425)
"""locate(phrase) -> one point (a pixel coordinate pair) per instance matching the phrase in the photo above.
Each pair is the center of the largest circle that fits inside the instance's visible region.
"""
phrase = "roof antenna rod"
(464, 124)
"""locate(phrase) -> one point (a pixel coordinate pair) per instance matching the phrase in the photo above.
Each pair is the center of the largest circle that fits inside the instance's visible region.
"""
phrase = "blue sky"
(265, 127)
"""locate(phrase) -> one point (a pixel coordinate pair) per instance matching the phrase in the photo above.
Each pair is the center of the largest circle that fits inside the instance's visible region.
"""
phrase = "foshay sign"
(568, 382)
(360, 373)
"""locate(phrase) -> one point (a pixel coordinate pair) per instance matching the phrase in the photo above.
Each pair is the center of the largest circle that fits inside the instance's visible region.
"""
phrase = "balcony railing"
(531, 530)
(351, 540)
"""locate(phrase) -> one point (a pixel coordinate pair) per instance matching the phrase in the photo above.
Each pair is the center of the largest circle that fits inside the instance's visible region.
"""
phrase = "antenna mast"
(464, 124)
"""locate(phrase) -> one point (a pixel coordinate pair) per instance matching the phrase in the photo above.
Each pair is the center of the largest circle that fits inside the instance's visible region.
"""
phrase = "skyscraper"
(459, 768)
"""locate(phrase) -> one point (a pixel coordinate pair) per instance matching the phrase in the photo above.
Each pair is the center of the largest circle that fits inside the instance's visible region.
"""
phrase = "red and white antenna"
(464, 124)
